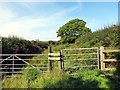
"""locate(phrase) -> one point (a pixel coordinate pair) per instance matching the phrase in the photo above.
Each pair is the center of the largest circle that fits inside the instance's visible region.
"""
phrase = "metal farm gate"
(78, 58)
(11, 64)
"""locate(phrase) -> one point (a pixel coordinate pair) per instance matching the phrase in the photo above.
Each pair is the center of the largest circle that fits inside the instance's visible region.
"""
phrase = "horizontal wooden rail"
(82, 48)
(107, 69)
(79, 60)
(84, 66)
(54, 58)
(110, 60)
(18, 75)
(107, 51)
(80, 54)
(54, 54)
(82, 59)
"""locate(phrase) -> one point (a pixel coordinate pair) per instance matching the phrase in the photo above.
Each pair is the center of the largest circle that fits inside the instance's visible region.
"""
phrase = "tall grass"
(81, 79)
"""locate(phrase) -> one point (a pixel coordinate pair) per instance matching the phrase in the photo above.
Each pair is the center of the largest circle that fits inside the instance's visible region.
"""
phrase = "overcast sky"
(41, 20)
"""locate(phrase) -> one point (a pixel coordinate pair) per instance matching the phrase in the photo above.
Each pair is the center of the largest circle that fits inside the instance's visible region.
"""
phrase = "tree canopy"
(72, 30)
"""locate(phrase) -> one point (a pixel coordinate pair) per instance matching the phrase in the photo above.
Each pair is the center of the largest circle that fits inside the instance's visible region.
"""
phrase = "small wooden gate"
(77, 58)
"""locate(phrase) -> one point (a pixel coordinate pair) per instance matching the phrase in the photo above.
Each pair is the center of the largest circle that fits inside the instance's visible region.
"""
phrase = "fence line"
(103, 60)
(98, 59)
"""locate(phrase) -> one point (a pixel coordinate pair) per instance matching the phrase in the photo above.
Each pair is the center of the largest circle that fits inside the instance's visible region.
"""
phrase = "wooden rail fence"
(103, 59)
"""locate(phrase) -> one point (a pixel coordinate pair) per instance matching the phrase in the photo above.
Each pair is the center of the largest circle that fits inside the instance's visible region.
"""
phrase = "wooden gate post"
(62, 59)
(102, 57)
(60, 62)
(49, 61)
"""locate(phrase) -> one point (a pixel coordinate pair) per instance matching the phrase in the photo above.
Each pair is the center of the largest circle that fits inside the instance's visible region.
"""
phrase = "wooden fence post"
(102, 57)
(49, 61)
(60, 62)
(98, 58)
(62, 59)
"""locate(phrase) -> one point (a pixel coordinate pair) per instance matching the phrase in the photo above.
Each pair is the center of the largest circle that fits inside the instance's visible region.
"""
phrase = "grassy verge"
(80, 79)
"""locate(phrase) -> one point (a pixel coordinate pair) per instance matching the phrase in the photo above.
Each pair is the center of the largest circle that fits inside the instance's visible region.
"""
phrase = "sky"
(41, 20)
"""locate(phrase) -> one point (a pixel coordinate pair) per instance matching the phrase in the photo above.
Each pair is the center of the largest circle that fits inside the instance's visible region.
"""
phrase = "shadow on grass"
(114, 79)
(72, 82)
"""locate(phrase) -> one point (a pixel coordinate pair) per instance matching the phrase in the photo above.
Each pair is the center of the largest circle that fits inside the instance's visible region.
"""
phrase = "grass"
(83, 78)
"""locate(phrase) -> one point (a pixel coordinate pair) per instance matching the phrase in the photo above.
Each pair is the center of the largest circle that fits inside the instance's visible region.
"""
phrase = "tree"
(72, 30)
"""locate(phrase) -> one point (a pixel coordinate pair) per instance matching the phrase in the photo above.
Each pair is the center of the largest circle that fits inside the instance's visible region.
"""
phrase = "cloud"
(31, 27)
(5, 14)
